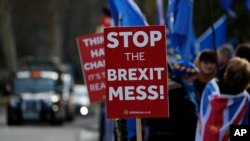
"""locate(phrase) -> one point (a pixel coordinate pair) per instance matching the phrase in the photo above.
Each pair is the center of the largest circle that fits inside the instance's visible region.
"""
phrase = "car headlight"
(54, 98)
(84, 110)
(55, 108)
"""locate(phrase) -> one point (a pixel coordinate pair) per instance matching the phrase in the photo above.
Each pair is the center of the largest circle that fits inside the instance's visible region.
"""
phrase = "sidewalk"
(2, 115)
(3, 103)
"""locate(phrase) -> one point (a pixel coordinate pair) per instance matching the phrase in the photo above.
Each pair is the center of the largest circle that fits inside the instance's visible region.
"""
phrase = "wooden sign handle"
(138, 130)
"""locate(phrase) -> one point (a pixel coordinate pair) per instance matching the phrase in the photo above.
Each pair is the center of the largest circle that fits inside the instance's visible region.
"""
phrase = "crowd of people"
(213, 97)
(205, 97)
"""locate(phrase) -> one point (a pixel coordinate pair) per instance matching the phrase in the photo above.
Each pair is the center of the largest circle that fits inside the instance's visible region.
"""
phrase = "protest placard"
(91, 51)
(136, 72)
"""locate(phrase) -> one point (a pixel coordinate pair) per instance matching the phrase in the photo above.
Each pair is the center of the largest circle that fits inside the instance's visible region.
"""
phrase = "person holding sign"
(182, 106)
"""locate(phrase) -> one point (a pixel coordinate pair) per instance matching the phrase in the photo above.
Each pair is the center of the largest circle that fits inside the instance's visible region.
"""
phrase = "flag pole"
(211, 15)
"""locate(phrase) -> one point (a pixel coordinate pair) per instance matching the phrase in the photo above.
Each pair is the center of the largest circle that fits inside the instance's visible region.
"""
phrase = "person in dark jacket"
(206, 63)
(243, 51)
(181, 123)
(225, 53)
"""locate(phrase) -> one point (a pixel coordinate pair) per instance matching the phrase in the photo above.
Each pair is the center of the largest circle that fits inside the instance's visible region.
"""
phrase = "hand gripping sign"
(136, 72)
(91, 50)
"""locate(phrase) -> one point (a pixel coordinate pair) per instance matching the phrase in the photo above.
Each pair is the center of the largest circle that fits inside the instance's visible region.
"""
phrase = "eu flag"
(179, 22)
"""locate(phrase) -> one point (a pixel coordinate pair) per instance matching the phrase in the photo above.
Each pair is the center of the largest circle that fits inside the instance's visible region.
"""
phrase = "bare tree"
(7, 36)
(57, 8)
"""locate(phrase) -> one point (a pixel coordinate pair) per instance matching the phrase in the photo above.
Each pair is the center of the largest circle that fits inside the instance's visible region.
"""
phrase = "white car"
(81, 99)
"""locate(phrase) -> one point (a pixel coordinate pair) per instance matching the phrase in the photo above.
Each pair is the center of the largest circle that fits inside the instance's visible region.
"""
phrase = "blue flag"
(131, 127)
(181, 32)
(227, 4)
(114, 12)
(205, 41)
(126, 13)
(248, 4)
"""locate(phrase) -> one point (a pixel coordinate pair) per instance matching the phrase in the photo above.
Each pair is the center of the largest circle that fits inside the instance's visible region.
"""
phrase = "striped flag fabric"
(219, 111)
(227, 4)
(205, 41)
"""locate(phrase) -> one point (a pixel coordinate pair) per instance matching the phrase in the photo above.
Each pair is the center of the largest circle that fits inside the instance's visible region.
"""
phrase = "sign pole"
(138, 130)
(116, 128)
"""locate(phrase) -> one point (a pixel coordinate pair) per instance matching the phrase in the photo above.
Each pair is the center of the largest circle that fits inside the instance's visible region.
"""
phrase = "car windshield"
(31, 85)
(81, 91)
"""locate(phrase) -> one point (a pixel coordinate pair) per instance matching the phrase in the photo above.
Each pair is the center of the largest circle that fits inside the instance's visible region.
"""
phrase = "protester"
(105, 20)
(182, 108)
(106, 130)
(243, 51)
(206, 63)
(225, 53)
(185, 74)
(125, 129)
(224, 98)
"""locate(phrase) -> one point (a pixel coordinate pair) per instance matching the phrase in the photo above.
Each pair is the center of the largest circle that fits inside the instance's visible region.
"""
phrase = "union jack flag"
(219, 111)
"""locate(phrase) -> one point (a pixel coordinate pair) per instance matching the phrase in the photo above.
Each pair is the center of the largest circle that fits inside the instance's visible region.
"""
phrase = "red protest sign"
(136, 72)
(91, 52)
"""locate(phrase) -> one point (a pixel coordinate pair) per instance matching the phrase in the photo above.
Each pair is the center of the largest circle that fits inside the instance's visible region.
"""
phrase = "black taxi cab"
(36, 95)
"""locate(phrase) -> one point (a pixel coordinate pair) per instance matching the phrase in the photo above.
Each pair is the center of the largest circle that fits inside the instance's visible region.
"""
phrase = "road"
(81, 129)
